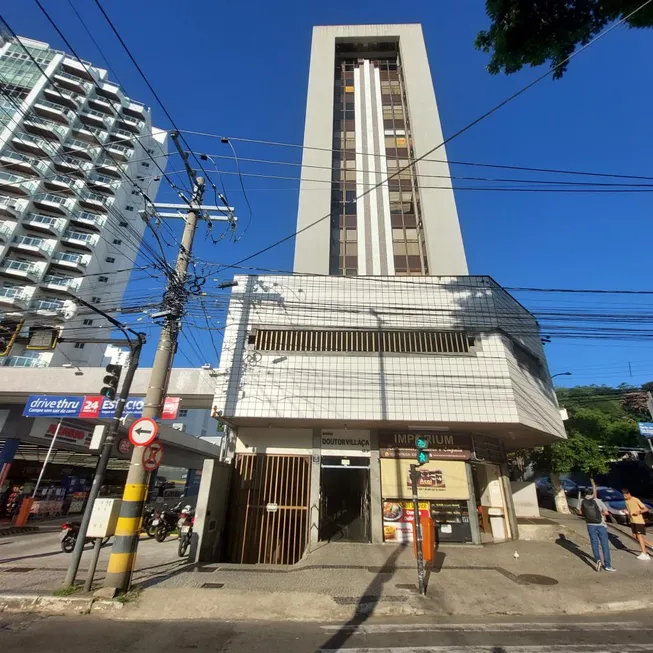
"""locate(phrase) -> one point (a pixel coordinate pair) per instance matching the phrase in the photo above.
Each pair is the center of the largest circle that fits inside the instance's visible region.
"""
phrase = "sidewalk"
(33, 525)
(340, 581)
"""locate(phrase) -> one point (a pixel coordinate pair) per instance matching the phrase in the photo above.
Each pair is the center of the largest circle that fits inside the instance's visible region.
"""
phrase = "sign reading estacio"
(452, 446)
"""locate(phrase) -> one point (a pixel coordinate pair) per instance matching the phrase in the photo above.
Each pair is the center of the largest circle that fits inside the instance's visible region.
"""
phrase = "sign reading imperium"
(450, 446)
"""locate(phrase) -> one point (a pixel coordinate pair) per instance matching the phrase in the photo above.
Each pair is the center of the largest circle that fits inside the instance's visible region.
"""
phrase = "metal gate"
(269, 516)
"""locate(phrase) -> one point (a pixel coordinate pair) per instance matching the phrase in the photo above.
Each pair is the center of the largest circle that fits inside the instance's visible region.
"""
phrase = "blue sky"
(240, 69)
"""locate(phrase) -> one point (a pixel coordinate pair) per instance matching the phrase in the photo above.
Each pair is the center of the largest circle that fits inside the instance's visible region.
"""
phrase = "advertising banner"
(443, 446)
(438, 479)
(71, 433)
(90, 406)
(398, 518)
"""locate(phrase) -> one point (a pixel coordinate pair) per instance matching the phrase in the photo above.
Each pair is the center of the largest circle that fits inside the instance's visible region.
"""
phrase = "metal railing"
(78, 259)
(57, 107)
(39, 243)
(24, 361)
(90, 239)
(61, 281)
(55, 223)
(12, 293)
(19, 266)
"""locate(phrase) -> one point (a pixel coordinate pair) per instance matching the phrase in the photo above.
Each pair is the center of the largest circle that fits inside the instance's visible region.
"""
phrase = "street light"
(561, 374)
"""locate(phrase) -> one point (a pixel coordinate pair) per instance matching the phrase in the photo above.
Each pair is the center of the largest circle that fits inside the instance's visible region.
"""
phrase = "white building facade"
(76, 158)
(327, 376)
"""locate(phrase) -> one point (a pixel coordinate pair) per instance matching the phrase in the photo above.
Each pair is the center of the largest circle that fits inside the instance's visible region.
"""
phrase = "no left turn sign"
(152, 456)
(143, 431)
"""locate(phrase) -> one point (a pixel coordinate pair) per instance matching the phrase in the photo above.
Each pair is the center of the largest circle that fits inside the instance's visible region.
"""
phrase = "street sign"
(152, 456)
(646, 429)
(143, 431)
(124, 445)
(90, 406)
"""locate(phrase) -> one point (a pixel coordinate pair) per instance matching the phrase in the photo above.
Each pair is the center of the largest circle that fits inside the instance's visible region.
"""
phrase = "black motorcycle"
(165, 522)
(68, 536)
(149, 515)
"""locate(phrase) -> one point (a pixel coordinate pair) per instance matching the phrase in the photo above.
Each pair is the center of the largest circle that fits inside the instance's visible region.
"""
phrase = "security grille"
(396, 342)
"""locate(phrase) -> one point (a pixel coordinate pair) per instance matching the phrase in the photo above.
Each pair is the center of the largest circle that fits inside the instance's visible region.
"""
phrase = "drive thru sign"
(143, 431)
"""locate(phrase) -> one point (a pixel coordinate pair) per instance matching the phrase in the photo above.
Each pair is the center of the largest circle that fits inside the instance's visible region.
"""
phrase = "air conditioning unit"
(179, 426)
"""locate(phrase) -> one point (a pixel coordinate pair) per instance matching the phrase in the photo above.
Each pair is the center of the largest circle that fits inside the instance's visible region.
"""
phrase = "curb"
(55, 604)
(18, 530)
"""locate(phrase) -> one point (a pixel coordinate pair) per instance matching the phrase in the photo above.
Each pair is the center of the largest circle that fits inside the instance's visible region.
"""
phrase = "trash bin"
(428, 538)
(497, 523)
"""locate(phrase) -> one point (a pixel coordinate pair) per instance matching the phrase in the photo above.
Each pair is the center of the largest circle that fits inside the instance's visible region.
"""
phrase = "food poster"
(437, 479)
(398, 518)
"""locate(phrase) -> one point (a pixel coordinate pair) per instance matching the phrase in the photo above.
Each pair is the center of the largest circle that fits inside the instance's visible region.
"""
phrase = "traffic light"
(422, 443)
(111, 381)
(9, 330)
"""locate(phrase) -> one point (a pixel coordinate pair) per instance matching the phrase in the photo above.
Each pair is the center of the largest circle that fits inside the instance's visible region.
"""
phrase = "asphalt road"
(34, 561)
(609, 634)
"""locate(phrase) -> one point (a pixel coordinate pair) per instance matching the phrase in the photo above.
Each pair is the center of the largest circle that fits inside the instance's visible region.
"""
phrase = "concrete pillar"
(7, 455)
(314, 499)
(376, 500)
(511, 516)
(471, 507)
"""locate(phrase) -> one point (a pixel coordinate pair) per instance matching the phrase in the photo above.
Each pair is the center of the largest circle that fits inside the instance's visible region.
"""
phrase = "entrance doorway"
(345, 503)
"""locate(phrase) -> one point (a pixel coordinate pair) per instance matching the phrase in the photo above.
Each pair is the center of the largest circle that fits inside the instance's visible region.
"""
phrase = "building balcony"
(95, 201)
(99, 103)
(77, 262)
(81, 69)
(44, 223)
(22, 163)
(59, 283)
(34, 246)
(50, 307)
(88, 220)
(14, 297)
(72, 165)
(81, 148)
(134, 110)
(112, 92)
(73, 82)
(34, 144)
(121, 152)
(54, 111)
(47, 129)
(108, 166)
(132, 124)
(68, 99)
(63, 184)
(96, 118)
(57, 203)
(21, 269)
(102, 183)
(24, 361)
(12, 207)
(17, 185)
(89, 133)
(80, 239)
(122, 137)
(7, 231)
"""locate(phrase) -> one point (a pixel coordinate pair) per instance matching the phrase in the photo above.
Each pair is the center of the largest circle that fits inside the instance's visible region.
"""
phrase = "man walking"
(595, 512)
(636, 510)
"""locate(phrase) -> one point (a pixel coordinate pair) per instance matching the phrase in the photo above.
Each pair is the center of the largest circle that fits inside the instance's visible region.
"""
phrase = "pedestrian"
(595, 512)
(636, 509)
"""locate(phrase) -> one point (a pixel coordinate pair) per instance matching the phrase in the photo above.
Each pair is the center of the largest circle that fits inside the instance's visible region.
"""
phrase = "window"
(110, 259)
(203, 432)
(183, 412)
(79, 345)
(103, 279)
(123, 223)
(87, 322)
(117, 241)
(145, 164)
(135, 192)
(129, 207)
(96, 300)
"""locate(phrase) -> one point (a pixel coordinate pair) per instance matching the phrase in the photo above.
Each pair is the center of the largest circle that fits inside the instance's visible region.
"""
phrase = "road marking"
(545, 648)
(372, 629)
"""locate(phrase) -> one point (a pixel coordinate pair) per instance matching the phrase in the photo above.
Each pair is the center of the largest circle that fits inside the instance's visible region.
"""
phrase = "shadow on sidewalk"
(33, 556)
(572, 547)
(366, 604)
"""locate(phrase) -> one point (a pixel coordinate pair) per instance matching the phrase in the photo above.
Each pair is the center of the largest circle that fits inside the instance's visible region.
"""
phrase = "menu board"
(398, 519)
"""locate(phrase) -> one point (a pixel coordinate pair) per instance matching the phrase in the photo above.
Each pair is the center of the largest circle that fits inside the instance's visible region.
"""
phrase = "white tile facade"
(491, 385)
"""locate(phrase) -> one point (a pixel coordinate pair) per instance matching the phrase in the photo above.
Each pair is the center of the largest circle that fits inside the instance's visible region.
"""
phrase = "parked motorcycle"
(185, 526)
(149, 515)
(165, 522)
(68, 536)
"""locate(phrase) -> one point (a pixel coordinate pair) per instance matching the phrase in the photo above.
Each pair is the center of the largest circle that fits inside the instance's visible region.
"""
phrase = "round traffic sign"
(124, 445)
(152, 456)
(143, 431)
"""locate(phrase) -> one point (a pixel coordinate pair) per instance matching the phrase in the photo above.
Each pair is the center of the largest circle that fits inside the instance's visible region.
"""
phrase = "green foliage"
(532, 32)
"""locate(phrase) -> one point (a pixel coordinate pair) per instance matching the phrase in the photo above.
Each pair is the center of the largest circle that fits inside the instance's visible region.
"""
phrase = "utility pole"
(109, 439)
(123, 551)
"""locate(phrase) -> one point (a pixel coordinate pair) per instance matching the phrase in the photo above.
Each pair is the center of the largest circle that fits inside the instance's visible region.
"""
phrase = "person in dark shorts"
(636, 510)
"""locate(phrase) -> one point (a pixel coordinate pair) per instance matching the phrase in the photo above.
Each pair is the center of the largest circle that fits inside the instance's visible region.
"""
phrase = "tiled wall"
(488, 385)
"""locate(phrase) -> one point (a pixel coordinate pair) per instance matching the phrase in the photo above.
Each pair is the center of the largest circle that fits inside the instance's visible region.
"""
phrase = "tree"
(531, 32)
